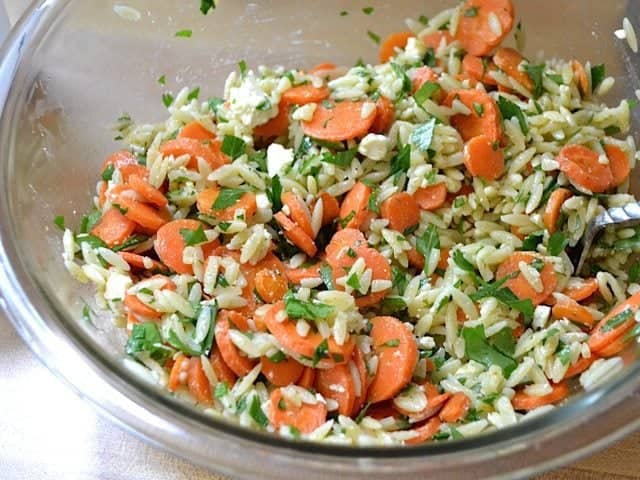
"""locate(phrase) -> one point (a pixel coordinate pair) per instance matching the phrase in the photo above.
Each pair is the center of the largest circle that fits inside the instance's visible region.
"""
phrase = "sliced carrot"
(382, 410)
(298, 212)
(207, 199)
(113, 228)
(474, 124)
(304, 417)
(422, 75)
(415, 258)
(385, 113)
(432, 197)
(519, 285)
(178, 373)
(307, 378)
(477, 69)
(221, 369)
(606, 334)
(522, 401)
(135, 306)
(196, 131)
(588, 287)
(582, 167)
(197, 382)
(618, 163)
(303, 94)
(144, 215)
(553, 207)
(342, 240)
(443, 261)
(296, 235)
(363, 377)
(396, 40)
(484, 158)
(337, 383)
(354, 209)
(296, 275)
(330, 208)
(456, 408)
(339, 121)
(401, 210)
(397, 354)
(380, 270)
(572, 310)
(476, 30)
(291, 341)
(434, 40)
(276, 126)
(580, 366)
(580, 77)
(322, 67)
(270, 284)
(508, 60)
(435, 402)
(147, 191)
(169, 244)
(425, 432)
(127, 163)
(140, 262)
(237, 362)
(210, 152)
(283, 373)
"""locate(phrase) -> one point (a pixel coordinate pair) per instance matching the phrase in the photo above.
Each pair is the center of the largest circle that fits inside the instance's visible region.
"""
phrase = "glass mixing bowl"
(71, 67)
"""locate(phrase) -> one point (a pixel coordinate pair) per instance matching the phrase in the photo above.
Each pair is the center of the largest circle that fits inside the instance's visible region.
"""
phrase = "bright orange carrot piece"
(435, 402)
(339, 121)
(580, 366)
(583, 291)
(612, 329)
(290, 340)
(220, 368)
(135, 306)
(330, 208)
(337, 383)
(456, 408)
(296, 235)
(277, 125)
(508, 60)
(396, 40)
(580, 77)
(397, 354)
(363, 377)
(618, 163)
(354, 211)
(144, 215)
(296, 275)
(582, 167)
(478, 69)
(113, 228)
(127, 163)
(207, 199)
(304, 417)
(425, 432)
(434, 40)
(140, 262)
(169, 244)
(322, 67)
(522, 401)
(270, 284)
(283, 373)
(415, 258)
(385, 113)
(303, 94)
(432, 197)
(572, 310)
(401, 210)
(307, 378)
(380, 270)
(147, 191)
(519, 285)
(196, 131)
(178, 373)
(237, 362)
(342, 240)
(484, 158)
(197, 382)
(422, 75)
(553, 207)
(484, 118)
(210, 152)
(298, 212)
(478, 31)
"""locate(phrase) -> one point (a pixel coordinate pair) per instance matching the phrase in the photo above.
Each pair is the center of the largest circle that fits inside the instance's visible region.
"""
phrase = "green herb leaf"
(215, 103)
(221, 390)
(555, 78)
(598, 74)
(634, 273)
(321, 351)
(353, 281)
(344, 13)
(86, 315)
(537, 264)
(399, 280)
(145, 337)
(557, 243)
(505, 296)
(274, 194)
(233, 146)
(255, 411)
(531, 242)
(206, 5)
(508, 109)
(374, 37)
(228, 197)
(58, 221)
(368, 10)
(341, 159)
(362, 413)
(423, 19)
(131, 242)
(471, 12)
(107, 174)
(617, 320)
(477, 348)
(167, 99)
(278, 357)
(326, 273)
(242, 65)
(394, 342)
(612, 130)
(390, 305)
(535, 74)
(193, 94)
(184, 33)
(296, 308)
(162, 80)
(407, 85)
(504, 341)
(92, 240)
(455, 434)
(401, 161)
(425, 92)
(429, 241)
(423, 135)
(372, 203)
(564, 354)
(193, 237)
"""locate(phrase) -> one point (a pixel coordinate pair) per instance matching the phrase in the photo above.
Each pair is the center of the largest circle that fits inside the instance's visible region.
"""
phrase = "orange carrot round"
(385, 113)
(583, 168)
(147, 191)
(337, 122)
(425, 432)
(210, 152)
(434, 40)
(237, 362)
(113, 228)
(432, 197)
(296, 275)
(508, 60)
(304, 417)
(196, 131)
(476, 69)
(144, 215)
(618, 163)
(608, 337)
(580, 366)
(401, 210)
(197, 382)
(583, 291)
(580, 77)
(207, 199)
(519, 285)
(361, 366)
(330, 208)
(552, 209)
(484, 118)
(220, 368)
(299, 212)
(456, 408)
(270, 284)
(307, 378)
(391, 43)
(178, 373)
(303, 94)
(522, 401)
(296, 235)
(572, 310)
(283, 373)
(337, 384)
(483, 158)
(276, 126)
(169, 244)
(354, 209)
(127, 163)
(476, 32)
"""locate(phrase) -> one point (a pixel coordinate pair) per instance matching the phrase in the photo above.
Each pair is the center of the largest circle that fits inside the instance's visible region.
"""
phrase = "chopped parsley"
(167, 99)
(477, 348)
(193, 94)
(274, 193)
(423, 135)
(535, 74)
(617, 320)
(471, 12)
(557, 243)
(206, 6)
(508, 109)
(374, 37)
(193, 237)
(186, 33)
(233, 146)
(296, 308)
(227, 197)
(58, 221)
(598, 74)
(368, 10)
(425, 92)
(394, 342)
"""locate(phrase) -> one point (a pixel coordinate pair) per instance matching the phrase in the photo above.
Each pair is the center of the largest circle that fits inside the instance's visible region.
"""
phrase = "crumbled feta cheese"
(374, 146)
(278, 157)
(117, 285)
